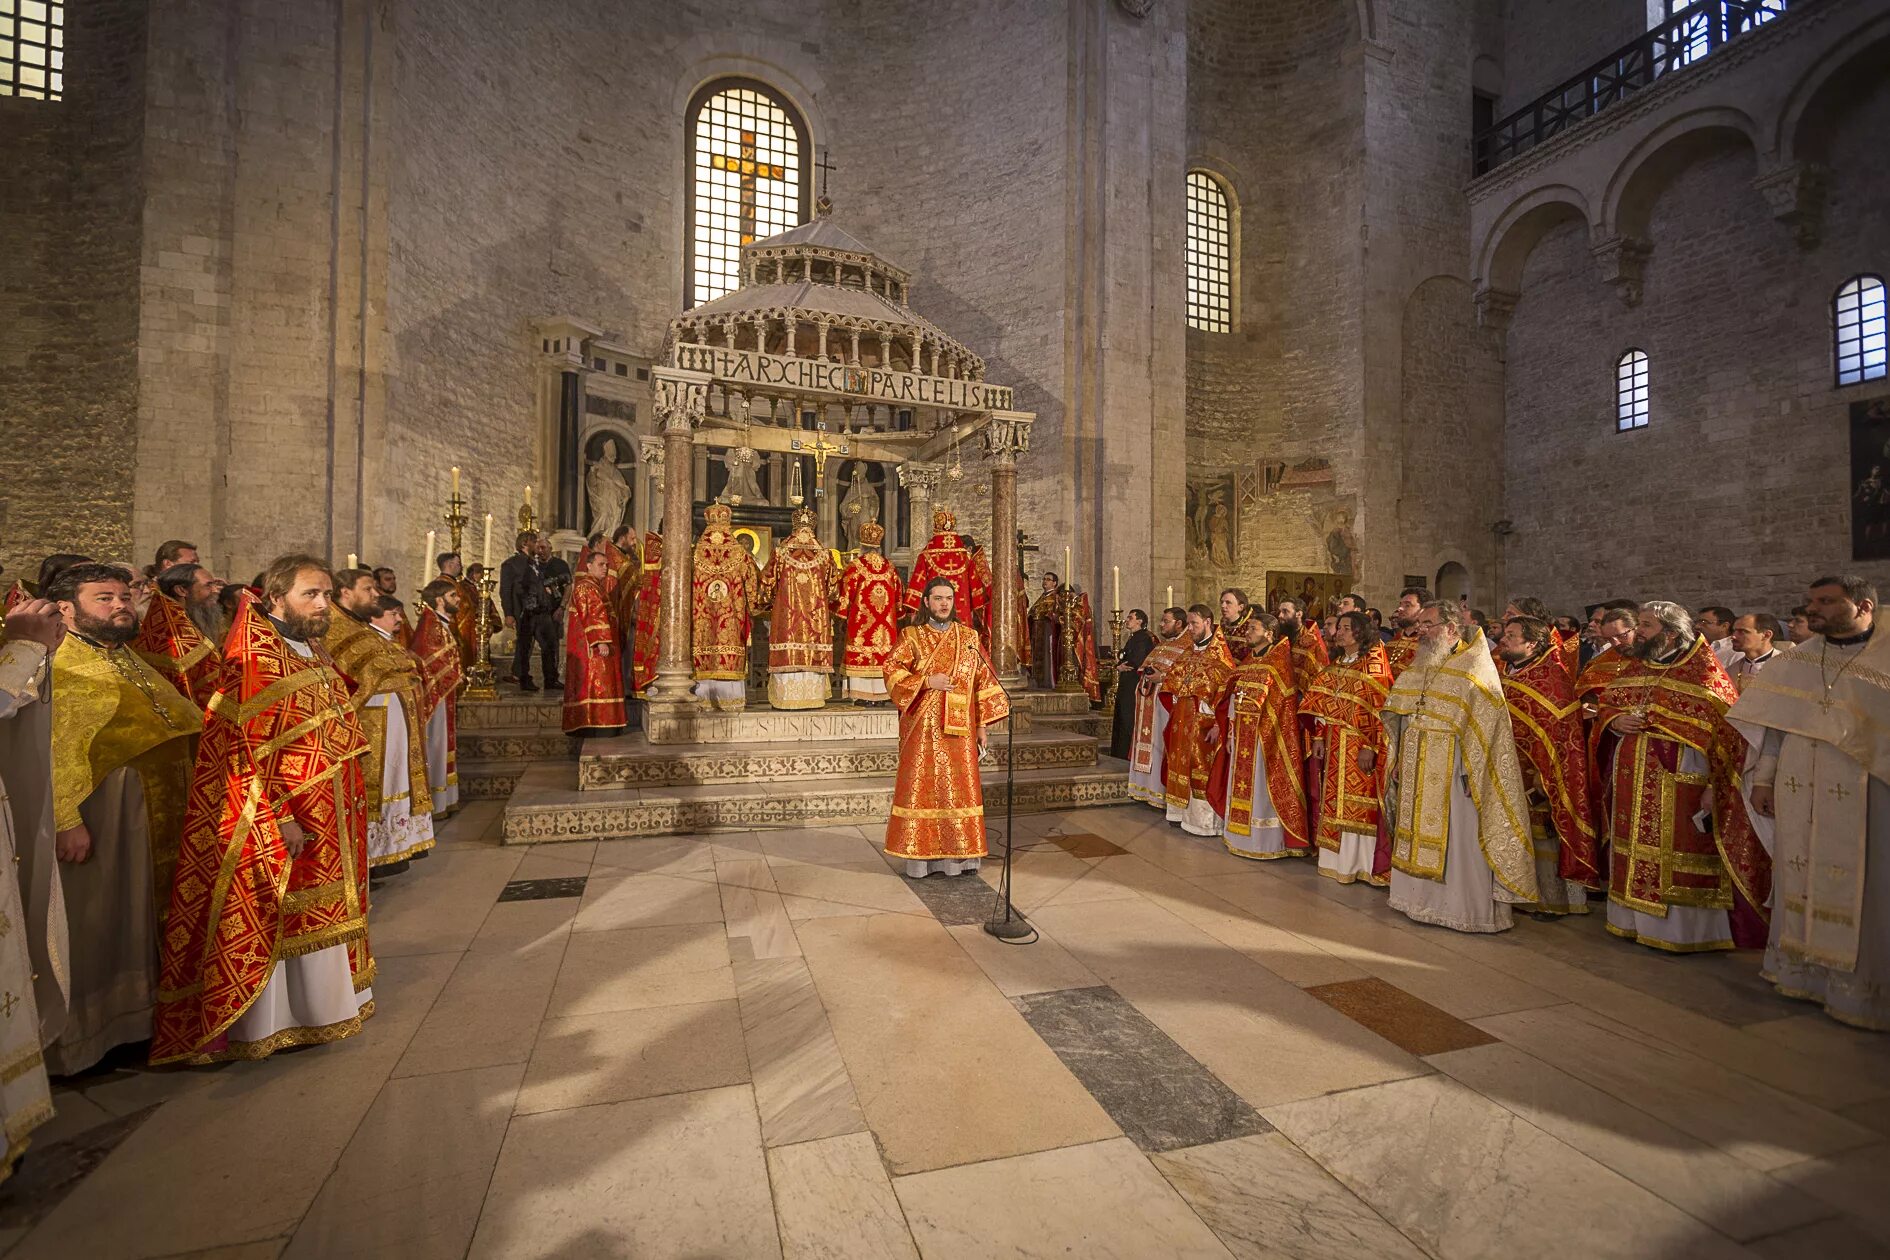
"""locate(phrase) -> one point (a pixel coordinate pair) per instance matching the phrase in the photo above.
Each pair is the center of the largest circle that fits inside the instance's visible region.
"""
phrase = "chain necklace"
(1831, 681)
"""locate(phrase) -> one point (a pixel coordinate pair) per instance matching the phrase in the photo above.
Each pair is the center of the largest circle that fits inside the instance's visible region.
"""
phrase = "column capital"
(1794, 192)
(920, 479)
(1622, 260)
(1007, 435)
(682, 397)
(1494, 308)
(650, 449)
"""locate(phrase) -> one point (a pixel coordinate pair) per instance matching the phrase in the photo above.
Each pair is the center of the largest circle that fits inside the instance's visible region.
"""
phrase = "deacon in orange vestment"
(946, 556)
(265, 945)
(170, 642)
(1255, 785)
(1192, 691)
(1342, 703)
(723, 611)
(947, 697)
(797, 595)
(435, 647)
(869, 605)
(648, 616)
(1670, 758)
(593, 647)
(1546, 719)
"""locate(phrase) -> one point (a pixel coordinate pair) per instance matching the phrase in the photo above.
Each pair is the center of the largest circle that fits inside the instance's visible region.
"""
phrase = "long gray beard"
(1431, 652)
(204, 617)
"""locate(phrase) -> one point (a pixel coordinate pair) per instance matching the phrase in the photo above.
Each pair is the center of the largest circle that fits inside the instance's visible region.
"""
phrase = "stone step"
(631, 761)
(1094, 725)
(547, 805)
(515, 743)
(512, 711)
(491, 780)
(1046, 703)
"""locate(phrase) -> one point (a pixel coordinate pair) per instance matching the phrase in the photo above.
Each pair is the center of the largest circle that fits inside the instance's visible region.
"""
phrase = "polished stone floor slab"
(1162, 1098)
(802, 1090)
(1404, 1021)
(956, 900)
(835, 1202)
(543, 889)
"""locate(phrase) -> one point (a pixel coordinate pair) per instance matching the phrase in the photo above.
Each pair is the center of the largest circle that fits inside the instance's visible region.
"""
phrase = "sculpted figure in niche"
(742, 463)
(859, 507)
(608, 492)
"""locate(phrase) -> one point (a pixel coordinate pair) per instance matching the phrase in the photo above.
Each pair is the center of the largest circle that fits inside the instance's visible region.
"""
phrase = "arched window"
(1858, 323)
(1210, 254)
(747, 163)
(33, 48)
(1630, 391)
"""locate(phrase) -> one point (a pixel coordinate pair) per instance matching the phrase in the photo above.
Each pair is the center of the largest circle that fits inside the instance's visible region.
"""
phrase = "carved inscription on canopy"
(818, 376)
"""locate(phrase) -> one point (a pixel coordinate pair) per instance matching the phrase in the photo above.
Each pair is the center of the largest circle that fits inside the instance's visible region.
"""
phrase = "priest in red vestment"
(1255, 786)
(868, 604)
(437, 650)
(796, 594)
(947, 556)
(170, 642)
(265, 945)
(648, 615)
(1341, 705)
(1546, 719)
(1235, 613)
(947, 697)
(1681, 847)
(593, 651)
(1192, 691)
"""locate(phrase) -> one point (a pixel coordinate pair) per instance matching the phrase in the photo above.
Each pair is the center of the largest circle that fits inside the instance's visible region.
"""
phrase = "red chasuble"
(1199, 678)
(438, 653)
(1658, 856)
(1399, 653)
(1344, 699)
(869, 604)
(1546, 719)
(281, 743)
(170, 643)
(725, 579)
(649, 614)
(938, 801)
(1309, 657)
(797, 594)
(945, 556)
(593, 668)
(1260, 712)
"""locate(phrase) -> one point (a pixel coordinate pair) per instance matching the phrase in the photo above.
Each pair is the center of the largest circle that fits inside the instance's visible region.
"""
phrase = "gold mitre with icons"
(872, 534)
(804, 517)
(717, 516)
(943, 520)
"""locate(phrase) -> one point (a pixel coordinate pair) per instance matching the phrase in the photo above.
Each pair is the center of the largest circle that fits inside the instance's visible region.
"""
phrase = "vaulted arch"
(1517, 230)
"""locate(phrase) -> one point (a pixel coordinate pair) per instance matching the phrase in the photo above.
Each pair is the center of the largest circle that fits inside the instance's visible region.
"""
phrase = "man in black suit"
(531, 612)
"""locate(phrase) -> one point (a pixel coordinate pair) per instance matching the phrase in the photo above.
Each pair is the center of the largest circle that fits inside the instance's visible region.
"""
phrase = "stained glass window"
(747, 165)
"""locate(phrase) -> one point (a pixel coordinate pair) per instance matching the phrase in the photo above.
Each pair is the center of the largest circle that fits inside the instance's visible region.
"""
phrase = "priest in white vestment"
(1820, 716)
(1461, 848)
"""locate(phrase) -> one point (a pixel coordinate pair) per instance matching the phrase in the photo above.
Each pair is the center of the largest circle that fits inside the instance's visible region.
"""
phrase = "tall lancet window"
(33, 48)
(1210, 254)
(1857, 316)
(747, 163)
(1630, 391)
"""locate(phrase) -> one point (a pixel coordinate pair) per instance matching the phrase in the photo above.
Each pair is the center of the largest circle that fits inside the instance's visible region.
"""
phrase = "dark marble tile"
(47, 1173)
(1159, 1093)
(544, 889)
(1409, 1023)
(1083, 844)
(955, 899)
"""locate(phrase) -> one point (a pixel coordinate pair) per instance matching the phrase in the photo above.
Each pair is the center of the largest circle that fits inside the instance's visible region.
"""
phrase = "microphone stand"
(1011, 927)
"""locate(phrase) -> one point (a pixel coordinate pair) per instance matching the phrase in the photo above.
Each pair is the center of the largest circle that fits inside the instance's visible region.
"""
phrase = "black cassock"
(1134, 652)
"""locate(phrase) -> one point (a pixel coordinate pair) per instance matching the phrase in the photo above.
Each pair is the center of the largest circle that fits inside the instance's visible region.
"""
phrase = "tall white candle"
(353, 563)
(1066, 565)
(456, 481)
(485, 557)
(426, 557)
(1171, 598)
(1115, 571)
(528, 496)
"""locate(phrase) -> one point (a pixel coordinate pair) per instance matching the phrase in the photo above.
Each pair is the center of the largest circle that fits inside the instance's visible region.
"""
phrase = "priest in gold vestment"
(1460, 851)
(122, 742)
(947, 697)
(797, 595)
(1819, 714)
(722, 612)
(384, 681)
(275, 952)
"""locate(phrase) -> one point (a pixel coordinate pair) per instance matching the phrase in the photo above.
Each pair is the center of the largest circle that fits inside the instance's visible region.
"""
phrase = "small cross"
(1792, 785)
(1827, 704)
(750, 171)
(825, 168)
(7, 1004)
(1837, 790)
(1798, 862)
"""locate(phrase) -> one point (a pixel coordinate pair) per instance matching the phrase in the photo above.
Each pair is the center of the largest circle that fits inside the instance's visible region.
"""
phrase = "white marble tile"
(869, 885)
(681, 856)
(1266, 1199)
(802, 1090)
(632, 968)
(758, 923)
(1038, 967)
(1101, 1201)
(1466, 1179)
(834, 1202)
(682, 1175)
(619, 1055)
(631, 901)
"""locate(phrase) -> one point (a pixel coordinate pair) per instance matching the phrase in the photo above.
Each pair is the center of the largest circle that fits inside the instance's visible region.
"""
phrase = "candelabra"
(479, 681)
(1070, 677)
(456, 517)
(1112, 677)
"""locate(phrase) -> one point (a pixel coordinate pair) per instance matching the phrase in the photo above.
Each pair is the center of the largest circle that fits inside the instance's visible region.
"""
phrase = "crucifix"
(751, 172)
(820, 448)
(825, 168)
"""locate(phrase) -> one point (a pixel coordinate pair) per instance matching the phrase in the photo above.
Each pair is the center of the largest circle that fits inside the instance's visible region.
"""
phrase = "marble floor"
(766, 1044)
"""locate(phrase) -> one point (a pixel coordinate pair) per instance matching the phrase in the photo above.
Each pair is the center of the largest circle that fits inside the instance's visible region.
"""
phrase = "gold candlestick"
(1070, 677)
(1112, 677)
(456, 518)
(480, 684)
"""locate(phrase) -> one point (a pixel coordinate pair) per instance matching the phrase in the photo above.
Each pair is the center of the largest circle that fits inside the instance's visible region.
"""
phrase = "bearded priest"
(384, 680)
(265, 945)
(1460, 852)
(1682, 852)
(1818, 715)
(797, 595)
(723, 604)
(1255, 786)
(868, 604)
(175, 646)
(1151, 715)
(437, 649)
(593, 647)
(1546, 719)
(1192, 692)
(948, 697)
(1342, 704)
(122, 741)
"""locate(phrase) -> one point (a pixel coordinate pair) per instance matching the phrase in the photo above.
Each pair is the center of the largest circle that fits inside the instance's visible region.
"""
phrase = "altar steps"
(547, 805)
(631, 761)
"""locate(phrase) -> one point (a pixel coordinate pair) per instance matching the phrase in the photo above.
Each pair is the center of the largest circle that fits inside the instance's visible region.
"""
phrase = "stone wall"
(1736, 492)
(69, 246)
(1546, 41)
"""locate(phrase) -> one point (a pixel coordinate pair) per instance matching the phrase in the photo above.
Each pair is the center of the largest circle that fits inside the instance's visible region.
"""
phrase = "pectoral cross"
(751, 172)
(8, 1003)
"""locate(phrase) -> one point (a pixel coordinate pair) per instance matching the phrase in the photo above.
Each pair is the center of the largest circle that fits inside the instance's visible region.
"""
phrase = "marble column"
(680, 399)
(920, 482)
(1005, 438)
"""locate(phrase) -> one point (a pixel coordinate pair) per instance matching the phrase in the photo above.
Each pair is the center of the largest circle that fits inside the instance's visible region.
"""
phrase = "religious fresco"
(1212, 521)
(1318, 591)
(1870, 479)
